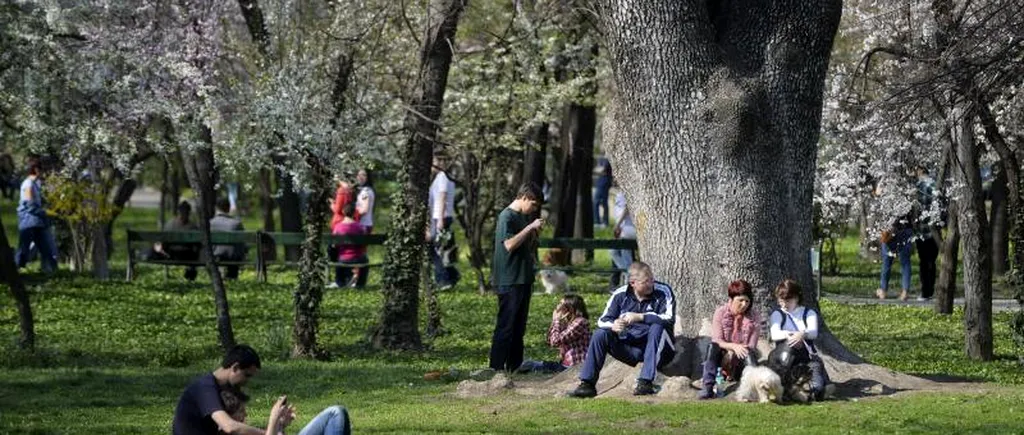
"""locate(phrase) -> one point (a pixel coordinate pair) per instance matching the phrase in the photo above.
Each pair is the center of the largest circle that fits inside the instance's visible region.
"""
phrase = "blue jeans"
(652, 348)
(442, 275)
(330, 421)
(621, 258)
(601, 201)
(43, 241)
(343, 275)
(902, 247)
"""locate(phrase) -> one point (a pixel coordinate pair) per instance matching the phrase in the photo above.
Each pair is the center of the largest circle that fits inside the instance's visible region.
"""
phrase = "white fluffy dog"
(760, 383)
(554, 281)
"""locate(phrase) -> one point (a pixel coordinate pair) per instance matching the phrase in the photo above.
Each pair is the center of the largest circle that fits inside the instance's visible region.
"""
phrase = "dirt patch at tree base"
(853, 381)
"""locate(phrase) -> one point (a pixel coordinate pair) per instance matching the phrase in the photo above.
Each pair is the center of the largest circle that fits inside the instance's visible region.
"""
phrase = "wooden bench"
(297, 239)
(147, 238)
(569, 244)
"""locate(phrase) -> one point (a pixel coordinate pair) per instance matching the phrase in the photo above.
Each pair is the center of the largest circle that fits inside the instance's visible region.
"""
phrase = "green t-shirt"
(516, 267)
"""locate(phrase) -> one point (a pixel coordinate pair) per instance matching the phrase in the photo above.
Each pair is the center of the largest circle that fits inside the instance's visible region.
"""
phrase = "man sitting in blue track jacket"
(636, 326)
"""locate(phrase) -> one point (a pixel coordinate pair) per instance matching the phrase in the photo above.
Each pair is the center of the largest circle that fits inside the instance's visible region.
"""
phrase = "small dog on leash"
(761, 384)
(554, 281)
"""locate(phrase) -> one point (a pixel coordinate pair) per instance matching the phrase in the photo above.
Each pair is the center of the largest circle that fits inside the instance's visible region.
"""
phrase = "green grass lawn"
(113, 358)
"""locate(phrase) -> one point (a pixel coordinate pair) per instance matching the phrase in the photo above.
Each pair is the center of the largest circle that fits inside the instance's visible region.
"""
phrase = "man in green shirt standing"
(515, 241)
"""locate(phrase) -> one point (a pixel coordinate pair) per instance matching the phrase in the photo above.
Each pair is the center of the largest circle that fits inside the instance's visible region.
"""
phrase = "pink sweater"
(349, 252)
(722, 323)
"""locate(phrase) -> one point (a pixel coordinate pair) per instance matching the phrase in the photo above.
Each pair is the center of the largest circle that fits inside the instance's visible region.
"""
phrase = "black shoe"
(585, 390)
(644, 388)
(705, 393)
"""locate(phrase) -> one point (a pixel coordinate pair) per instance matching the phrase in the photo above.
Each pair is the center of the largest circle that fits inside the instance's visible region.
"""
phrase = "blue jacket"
(659, 307)
(30, 211)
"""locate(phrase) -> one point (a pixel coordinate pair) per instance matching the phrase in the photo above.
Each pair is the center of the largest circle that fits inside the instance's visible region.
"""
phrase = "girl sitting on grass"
(570, 332)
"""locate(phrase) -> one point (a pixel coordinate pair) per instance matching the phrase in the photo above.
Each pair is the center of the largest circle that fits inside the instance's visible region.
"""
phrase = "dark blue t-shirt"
(196, 407)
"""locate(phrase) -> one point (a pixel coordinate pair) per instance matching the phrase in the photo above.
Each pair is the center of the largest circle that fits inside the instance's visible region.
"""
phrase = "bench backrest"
(216, 237)
(296, 239)
(570, 243)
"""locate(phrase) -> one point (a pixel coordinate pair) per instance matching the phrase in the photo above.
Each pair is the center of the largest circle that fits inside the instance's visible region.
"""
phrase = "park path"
(998, 305)
(145, 197)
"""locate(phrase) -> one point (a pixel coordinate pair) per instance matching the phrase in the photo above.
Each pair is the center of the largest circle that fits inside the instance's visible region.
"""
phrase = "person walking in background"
(441, 206)
(624, 229)
(927, 247)
(602, 185)
(515, 238)
(34, 224)
(896, 242)
(223, 221)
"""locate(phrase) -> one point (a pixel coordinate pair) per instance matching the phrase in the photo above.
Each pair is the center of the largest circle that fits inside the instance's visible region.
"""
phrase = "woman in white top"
(794, 328)
(365, 199)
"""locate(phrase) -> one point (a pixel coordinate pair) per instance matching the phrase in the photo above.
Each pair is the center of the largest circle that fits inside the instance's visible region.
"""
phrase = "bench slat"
(570, 243)
(295, 239)
(216, 237)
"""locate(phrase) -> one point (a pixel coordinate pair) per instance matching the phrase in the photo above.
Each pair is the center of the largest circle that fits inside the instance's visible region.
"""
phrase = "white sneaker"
(923, 299)
(332, 285)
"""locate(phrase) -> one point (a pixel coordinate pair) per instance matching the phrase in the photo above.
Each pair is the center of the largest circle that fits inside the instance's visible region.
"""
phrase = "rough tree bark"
(713, 131)
(398, 327)
(9, 274)
(977, 260)
(312, 266)
(199, 166)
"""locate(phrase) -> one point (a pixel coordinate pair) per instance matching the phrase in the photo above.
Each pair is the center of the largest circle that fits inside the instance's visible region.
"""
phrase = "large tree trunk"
(399, 318)
(199, 166)
(9, 274)
(713, 132)
(977, 260)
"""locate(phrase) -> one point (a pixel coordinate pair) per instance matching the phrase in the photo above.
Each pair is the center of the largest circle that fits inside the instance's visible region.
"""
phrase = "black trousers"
(927, 253)
(510, 327)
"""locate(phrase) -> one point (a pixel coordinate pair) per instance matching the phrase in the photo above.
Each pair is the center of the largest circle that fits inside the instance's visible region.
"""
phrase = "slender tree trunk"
(399, 319)
(713, 134)
(471, 212)
(584, 127)
(267, 212)
(312, 266)
(1011, 166)
(945, 287)
(977, 259)
(199, 166)
(165, 174)
(999, 230)
(9, 274)
(291, 212)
